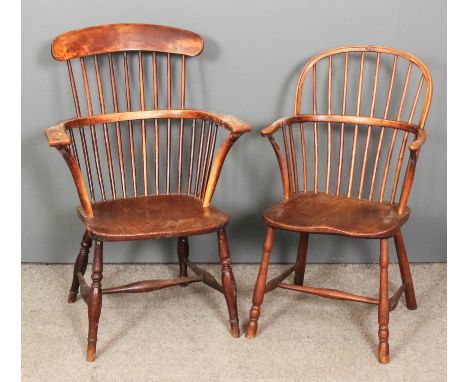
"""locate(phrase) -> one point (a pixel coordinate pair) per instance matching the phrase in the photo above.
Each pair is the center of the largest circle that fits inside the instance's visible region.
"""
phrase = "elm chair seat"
(151, 217)
(323, 213)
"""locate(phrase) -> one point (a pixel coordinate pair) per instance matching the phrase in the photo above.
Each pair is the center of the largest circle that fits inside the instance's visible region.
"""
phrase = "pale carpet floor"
(181, 334)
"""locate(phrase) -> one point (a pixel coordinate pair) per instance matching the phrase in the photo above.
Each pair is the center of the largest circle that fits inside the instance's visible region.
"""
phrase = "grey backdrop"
(253, 53)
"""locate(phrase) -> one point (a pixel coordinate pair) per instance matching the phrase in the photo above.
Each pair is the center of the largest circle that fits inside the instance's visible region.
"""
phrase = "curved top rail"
(367, 48)
(125, 37)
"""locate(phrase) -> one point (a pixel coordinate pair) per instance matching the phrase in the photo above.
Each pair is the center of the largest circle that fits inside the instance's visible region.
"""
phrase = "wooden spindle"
(356, 127)
(304, 157)
(343, 112)
(93, 130)
(169, 81)
(117, 124)
(156, 124)
(205, 160)
(210, 157)
(199, 160)
(329, 132)
(288, 163)
(192, 148)
(314, 95)
(110, 166)
(382, 130)
(168, 156)
(392, 143)
(143, 123)
(181, 129)
(369, 128)
(77, 109)
(293, 157)
(130, 124)
(84, 145)
(182, 84)
(180, 156)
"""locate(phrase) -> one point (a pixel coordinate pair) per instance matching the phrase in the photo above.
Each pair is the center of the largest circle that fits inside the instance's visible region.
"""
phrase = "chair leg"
(94, 302)
(301, 258)
(81, 264)
(183, 253)
(405, 271)
(259, 291)
(228, 282)
(383, 315)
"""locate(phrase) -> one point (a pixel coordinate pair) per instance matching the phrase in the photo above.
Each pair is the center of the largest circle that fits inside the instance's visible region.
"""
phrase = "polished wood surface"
(151, 217)
(347, 159)
(125, 37)
(322, 213)
(143, 164)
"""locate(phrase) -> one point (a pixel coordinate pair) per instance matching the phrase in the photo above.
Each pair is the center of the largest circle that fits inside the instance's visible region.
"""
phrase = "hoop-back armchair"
(347, 165)
(144, 166)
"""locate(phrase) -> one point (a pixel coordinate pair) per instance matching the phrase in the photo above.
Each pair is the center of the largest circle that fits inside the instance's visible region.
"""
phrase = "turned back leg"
(81, 264)
(405, 271)
(301, 258)
(259, 291)
(228, 282)
(383, 311)
(94, 302)
(182, 254)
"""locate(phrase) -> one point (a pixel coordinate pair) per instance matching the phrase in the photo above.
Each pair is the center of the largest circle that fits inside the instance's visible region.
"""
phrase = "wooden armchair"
(142, 172)
(341, 165)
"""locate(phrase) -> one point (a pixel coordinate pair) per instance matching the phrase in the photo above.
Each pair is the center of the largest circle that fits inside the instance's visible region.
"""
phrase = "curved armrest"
(333, 118)
(278, 124)
(421, 138)
(57, 135)
(233, 124)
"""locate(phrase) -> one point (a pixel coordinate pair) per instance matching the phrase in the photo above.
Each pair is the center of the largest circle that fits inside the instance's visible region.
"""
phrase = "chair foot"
(405, 271)
(251, 331)
(384, 353)
(229, 283)
(94, 302)
(235, 330)
(81, 263)
(72, 297)
(259, 291)
(383, 310)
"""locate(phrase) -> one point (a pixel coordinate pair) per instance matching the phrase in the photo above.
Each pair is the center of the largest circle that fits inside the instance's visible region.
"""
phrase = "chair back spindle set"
(145, 167)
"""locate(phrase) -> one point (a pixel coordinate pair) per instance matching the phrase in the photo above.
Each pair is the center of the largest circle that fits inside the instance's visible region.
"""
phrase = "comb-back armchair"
(142, 168)
(345, 161)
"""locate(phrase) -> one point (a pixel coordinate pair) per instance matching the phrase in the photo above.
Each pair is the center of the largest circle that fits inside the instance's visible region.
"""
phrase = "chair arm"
(57, 136)
(59, 139)
(278, 124)
(233, 124)
(421, 138)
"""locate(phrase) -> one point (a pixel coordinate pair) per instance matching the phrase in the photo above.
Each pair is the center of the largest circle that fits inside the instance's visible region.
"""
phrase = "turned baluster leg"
(301, 258)
(183, 253)
(383, 303)
(81, 264)
(405, 271)
(94, 302)
(259, 291)
(228, 282)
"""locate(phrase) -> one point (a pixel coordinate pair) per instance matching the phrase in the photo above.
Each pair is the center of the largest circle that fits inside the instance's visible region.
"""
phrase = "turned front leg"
(81, 264)
(94, 302)
(228, 282)
(259, 291)
(384, 350)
